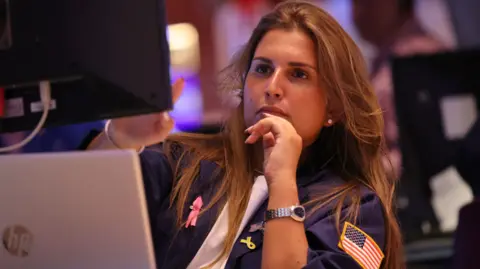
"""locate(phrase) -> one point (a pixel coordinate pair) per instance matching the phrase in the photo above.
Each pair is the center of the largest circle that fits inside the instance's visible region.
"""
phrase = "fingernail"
(251, 138)
(248, 129)
(265, 114)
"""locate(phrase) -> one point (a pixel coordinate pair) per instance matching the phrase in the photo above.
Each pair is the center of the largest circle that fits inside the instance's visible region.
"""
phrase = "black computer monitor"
(104, 59)
(424, 85)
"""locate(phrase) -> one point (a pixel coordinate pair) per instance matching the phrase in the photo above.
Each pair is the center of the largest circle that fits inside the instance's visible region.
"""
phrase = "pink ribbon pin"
(195, 210)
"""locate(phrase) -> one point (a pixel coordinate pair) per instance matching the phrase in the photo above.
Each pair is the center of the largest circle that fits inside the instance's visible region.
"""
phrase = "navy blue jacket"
(176, 248)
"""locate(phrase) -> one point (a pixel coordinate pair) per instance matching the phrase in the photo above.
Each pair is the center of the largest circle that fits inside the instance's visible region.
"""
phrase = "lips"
(273, 111)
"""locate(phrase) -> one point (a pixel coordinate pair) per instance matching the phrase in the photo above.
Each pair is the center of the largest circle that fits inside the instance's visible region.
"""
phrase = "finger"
(279, 118)
(268, 140)
(166, 122)
(261, 128)
(177, 89)
(267, 125)
(252, 138)
(166, 129)
(163, 126)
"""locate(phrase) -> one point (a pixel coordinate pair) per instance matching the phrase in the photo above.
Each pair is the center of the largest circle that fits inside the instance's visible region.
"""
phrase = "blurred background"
(435, 161)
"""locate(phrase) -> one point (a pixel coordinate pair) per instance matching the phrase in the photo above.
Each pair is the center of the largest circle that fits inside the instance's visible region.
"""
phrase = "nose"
(273, 89)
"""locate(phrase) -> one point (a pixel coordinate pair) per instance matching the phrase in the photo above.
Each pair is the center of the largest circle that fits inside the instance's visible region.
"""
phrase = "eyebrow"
(294, 64)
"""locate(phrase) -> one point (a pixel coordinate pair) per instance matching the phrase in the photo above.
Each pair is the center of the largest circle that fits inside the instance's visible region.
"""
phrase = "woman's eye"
(263, 69)
(298, 73)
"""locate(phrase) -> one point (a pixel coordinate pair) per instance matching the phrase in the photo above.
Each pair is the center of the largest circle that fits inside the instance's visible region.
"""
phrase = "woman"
(308, 131)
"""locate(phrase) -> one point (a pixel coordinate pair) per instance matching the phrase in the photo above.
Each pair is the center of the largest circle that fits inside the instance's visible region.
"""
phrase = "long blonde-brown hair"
(352, 148)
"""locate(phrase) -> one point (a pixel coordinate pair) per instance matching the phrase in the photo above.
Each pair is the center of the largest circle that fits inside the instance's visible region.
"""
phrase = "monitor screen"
(103, 58)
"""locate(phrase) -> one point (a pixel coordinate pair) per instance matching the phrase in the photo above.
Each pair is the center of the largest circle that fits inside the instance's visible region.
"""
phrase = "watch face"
(299, 211)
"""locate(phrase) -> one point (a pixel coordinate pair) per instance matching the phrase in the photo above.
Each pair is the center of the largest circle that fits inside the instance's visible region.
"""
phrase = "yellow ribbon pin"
(248, 242)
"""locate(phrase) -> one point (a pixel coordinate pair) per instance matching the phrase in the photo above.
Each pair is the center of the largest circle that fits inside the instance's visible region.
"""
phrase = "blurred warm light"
(184, 47)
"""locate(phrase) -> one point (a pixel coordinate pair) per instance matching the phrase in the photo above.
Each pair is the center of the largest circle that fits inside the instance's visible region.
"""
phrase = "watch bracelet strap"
(278, 213)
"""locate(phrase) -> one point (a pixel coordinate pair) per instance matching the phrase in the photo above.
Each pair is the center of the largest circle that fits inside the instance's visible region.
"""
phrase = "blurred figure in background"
(392, 28)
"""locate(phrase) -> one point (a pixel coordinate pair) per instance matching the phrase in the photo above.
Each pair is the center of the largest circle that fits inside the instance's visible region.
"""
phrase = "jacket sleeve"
(328, 250)
(157, 178)
(156, 171)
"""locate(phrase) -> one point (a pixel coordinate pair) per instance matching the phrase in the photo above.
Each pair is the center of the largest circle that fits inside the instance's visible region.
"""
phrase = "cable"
(45, 97)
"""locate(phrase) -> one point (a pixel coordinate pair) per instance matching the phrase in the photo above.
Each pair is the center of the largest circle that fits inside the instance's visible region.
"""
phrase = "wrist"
(283, 186)
(281, 177)
(282, 194)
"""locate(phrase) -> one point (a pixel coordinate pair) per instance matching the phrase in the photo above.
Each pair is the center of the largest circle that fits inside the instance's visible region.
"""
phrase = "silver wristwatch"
(296, 212)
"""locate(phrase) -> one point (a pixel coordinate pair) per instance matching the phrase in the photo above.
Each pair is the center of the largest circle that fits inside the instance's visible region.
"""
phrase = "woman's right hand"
(145, 130)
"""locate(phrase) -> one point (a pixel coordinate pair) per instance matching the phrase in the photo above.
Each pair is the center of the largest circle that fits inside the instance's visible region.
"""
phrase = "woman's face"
(283, 80)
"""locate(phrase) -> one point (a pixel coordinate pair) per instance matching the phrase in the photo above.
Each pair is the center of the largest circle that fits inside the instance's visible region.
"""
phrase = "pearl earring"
(330, 121)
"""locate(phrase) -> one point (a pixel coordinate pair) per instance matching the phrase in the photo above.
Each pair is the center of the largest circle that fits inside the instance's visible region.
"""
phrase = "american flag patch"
(360, 247)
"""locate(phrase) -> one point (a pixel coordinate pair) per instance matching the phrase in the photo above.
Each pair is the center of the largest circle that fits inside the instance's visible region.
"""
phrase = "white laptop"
(77, 210)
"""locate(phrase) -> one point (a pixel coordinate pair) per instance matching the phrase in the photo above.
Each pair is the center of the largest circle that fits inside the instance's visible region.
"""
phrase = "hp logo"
(17, 240)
